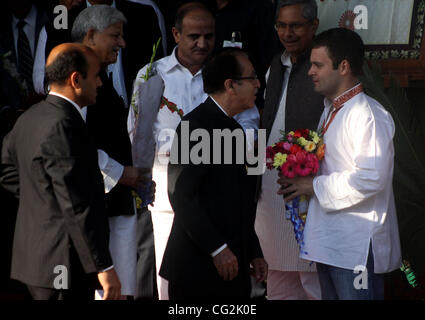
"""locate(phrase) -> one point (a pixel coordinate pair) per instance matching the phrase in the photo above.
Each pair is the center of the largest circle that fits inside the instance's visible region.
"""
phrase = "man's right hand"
(226, 264)
(134, 177)
(111, 284)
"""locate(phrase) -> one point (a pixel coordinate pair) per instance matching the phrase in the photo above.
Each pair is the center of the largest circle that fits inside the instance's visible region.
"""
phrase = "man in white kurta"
(351, 223)
(182, 91)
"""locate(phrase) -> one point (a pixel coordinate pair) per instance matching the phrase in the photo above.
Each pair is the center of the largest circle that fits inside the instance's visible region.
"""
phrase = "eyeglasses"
(280, 26)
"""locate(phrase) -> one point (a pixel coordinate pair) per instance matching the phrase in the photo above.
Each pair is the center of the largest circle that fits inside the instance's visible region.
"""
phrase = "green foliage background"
(409, 164)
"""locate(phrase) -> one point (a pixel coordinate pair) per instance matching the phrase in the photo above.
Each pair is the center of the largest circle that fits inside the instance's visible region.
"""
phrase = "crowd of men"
(90, 124)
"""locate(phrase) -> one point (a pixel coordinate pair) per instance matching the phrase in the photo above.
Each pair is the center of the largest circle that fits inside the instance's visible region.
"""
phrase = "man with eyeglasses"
(290, 103)
(212, 241)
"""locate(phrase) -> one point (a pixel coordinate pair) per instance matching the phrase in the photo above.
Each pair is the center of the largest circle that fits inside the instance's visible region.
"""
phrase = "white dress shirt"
(39, 62)
(29, 29)
(353, 203)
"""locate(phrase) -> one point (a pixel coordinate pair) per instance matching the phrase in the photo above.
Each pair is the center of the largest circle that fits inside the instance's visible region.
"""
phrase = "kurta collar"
(339, 101)
(173, 62)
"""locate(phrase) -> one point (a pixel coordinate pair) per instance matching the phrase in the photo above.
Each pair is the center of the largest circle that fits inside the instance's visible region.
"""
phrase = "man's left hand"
(295, 187)
(260, 269)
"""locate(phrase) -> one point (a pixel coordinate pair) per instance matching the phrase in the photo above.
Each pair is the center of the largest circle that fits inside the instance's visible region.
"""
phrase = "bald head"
(65, 59)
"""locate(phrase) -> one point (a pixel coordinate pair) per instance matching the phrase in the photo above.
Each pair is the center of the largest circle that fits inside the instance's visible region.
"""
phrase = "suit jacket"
(213, 205)
(107, 125)
(50, 163)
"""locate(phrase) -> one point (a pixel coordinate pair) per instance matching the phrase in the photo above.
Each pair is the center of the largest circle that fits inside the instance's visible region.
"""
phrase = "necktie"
(25, 59)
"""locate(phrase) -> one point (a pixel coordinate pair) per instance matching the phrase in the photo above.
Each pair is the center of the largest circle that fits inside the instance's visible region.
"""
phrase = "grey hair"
(97, 17)
(309, 7)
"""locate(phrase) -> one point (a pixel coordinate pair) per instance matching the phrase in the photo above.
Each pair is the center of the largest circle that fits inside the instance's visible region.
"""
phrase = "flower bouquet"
(296, 154)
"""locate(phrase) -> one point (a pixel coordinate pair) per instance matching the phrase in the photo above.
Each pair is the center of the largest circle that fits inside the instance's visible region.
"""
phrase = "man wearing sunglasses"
(290, 103)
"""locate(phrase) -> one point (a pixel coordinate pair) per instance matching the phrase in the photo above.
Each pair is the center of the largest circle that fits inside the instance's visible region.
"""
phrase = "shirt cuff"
(111, 170)
(216, 252)
(109, 268)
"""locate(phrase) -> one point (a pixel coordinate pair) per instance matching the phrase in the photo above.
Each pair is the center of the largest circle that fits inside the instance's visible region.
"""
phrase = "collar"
(82, 111)
(30, 19)
(286, 59)
(302, 57)
(347, 95)
(219, 106)
(173, 62)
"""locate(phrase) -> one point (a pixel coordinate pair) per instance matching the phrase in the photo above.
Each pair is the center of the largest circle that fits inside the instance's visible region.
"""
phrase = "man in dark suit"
(61, 235)
(212, 241)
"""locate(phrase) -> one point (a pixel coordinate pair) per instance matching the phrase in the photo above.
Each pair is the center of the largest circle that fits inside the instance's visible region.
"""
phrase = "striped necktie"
(25, 59)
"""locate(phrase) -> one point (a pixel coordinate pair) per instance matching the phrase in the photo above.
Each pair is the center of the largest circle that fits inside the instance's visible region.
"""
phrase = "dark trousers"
(81, 285)
(146, 268)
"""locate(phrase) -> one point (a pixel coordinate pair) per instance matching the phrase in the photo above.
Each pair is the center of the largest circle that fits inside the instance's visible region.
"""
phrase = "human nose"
(202, 43)
(310, 71)
(98, 81)
(257, 83)
(121, 42)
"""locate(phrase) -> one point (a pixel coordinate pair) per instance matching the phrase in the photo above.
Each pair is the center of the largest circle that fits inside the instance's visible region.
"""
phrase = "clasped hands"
(295, 187)
(227, 266)
(135, 177)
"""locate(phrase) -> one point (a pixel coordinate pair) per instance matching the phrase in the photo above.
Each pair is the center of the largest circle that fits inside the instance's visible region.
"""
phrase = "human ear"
(75, 80)
(176, 34)
(228, 84)
(89, 39)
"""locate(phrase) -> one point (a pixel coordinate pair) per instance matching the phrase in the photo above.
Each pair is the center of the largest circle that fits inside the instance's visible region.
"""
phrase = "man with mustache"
(161, 107)
(290, 103)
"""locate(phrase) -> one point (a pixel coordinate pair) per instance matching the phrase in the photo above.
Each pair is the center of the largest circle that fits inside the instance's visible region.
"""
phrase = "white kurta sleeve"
(368, 138)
